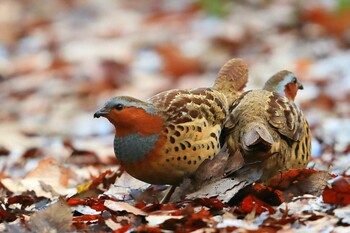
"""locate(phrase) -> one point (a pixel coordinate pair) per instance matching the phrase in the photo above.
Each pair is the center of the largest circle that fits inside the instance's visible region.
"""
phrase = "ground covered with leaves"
(61, 60)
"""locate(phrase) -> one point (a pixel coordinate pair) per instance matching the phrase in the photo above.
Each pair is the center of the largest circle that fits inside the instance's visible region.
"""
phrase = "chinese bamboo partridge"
(268, 129)
(164, 139)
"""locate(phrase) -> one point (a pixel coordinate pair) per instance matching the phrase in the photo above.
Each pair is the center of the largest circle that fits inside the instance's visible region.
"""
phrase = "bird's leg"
(167, 196)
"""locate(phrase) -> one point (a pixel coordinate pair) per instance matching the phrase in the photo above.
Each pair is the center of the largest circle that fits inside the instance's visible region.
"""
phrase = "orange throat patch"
(135, 120)
(291, 90)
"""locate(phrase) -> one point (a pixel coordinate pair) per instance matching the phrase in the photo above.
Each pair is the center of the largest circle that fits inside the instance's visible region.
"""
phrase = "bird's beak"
(102, 112)
(300, 86)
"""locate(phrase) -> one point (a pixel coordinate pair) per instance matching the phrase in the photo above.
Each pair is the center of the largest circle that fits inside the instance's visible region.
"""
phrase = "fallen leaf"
(297, 182)
(339, 193)
(123, 206)
(48, 179)
(83, 157)
(126, 188)
(7, 216)
(344, 214)
(224, 189)
(175, 63)
(334, 23)
(4, 151)
(23, 200)
(209, 179)
(211, 203)
(96, 203)
(155, 220)
(251, 203)
(49, 172)
(87, 218)
(32, 153)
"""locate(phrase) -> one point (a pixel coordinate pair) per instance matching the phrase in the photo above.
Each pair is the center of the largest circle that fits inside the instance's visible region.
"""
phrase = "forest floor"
(61, 60)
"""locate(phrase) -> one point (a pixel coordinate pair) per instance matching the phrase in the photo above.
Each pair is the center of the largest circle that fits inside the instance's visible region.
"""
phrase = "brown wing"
(285, 116)
(181, 106)
(232, 78)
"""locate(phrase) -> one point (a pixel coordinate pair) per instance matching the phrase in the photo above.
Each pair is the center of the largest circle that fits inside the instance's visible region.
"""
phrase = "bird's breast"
(133, 147)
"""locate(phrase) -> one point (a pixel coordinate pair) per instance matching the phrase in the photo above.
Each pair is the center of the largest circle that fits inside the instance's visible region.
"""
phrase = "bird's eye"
(119, 107)
(294, 80)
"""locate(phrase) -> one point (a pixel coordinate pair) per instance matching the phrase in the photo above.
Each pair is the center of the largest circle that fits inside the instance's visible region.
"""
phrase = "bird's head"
(284, 83)
(130, 115)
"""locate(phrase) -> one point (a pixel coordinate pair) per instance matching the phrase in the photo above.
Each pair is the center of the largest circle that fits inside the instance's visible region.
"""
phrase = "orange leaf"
(249, 202)
(339, 193)
(122, 229)
(175, 63)
(87, 217)
(297, 182)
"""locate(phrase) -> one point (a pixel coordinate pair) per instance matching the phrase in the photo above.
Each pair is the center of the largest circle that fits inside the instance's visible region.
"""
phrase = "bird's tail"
(232, 78)
(256, 138)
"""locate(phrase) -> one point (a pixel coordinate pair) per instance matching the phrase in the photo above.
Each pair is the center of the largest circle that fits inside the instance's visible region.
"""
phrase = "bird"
(165, 138)
(268, 129)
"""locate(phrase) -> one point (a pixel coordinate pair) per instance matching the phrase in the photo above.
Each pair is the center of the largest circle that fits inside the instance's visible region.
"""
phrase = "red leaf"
(122, 229)
(284, 180)
(106, 178)
(94, 203)
(176, 64)
(4, 151)
(202, 214)
(148, 229)
(152, 207)
(140, 205)
(75, 201)
(6, 216)
(297, 182)
(212, 203)
(336, 24)
(20, 199)
(87, 217)
(168, 207)
(339, 193)
(32, 153)
(270, 195)
(249, 202)
(83, 157)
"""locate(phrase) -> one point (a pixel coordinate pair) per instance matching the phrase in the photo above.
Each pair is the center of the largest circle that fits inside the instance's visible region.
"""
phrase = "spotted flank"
(189, 144)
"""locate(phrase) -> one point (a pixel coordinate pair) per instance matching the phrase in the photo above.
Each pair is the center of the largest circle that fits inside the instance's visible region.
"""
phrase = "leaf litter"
(59, 61)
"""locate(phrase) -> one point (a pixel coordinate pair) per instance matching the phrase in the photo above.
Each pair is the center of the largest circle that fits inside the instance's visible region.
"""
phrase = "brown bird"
(164, 139)
(268, 129)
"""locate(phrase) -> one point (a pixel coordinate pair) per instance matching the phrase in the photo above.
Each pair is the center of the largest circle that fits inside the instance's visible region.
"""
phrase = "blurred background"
(60, 60)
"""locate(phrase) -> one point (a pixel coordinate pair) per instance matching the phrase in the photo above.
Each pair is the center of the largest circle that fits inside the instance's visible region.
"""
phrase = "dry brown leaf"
(333, 23)
(223, 189)
(211, 170)
(155, 220)
(211, 179)
(175, 63)
(48, 179)
(50, 172)
(297, 182)
(123, 206)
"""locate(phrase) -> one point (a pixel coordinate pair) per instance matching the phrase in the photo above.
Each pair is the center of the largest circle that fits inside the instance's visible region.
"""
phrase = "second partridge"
(268, 129)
